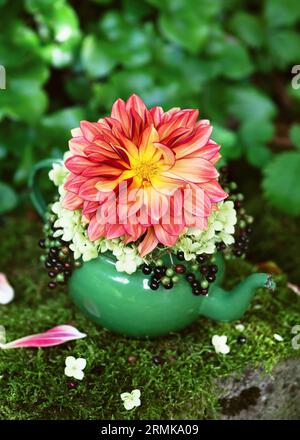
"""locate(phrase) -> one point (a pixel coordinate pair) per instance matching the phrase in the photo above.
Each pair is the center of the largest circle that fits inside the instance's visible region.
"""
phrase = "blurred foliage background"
(68, 60)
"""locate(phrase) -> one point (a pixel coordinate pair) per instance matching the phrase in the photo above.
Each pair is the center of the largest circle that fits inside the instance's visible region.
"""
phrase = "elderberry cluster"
(202, 274)
(57, 257)
(243, 228)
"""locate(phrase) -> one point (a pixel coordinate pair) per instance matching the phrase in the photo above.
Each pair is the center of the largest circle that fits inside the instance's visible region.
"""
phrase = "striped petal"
(55, 336)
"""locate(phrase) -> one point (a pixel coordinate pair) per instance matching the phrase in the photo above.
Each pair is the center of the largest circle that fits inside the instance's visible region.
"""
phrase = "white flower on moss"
(58, 173)
(220, 344)
(7, 292)
(240, 327)
(277, 337)
(131, 400)
(74, 367)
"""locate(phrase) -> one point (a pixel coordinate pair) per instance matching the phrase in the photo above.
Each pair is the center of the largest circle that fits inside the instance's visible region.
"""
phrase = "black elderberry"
(42, 243)
(211, 278)
(238, 252)
(146, 269)
(67, 272)
(201, 258)
(51, 274)
(52, 285)
(241, 339)
(54, 261)
(53, 252)
(157, 360)
(221, 246)
(158, 271)
(59, 265)
(180, 268)
(190, 277)
(213, 268)
(204, 269)
(248, 229)
(204, 291)
(197, 291)
(238, 204)
(168, 285)
(154, 285)
(48, 264)
(180, 255)
(71, 385)
(163, 269)
(195, 284)
(67, 265)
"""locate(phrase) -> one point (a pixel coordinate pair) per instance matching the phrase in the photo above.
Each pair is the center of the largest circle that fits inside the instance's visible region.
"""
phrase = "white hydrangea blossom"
(72, 227)
(58, 173)
(221, 227)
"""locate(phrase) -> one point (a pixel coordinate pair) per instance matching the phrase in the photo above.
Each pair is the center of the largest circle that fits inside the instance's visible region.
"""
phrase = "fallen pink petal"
(55, 336)
(294, 288)
(7, 293)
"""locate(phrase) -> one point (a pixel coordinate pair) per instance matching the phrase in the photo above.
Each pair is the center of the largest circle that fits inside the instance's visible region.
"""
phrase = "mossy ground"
(33, 384)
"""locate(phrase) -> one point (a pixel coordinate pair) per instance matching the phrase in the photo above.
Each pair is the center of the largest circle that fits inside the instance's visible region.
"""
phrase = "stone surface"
(259, 396)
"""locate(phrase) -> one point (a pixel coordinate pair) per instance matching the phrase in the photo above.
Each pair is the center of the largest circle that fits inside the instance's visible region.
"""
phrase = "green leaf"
(295, 134)
(97, 57)
(248, 28)
(23, 99)
(57, 126)
(254, 137)
(281, 182)
(282, 13)
(249, 103)
(284, 46)
(228, 141)
(234, 61)
(185, 29)
(8, 198)
(259, 155)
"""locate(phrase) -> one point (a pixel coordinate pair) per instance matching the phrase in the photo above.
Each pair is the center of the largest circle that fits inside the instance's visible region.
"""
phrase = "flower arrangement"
(143, 185)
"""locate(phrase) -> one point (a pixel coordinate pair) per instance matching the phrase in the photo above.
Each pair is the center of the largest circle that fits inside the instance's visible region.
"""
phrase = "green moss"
(34, 386)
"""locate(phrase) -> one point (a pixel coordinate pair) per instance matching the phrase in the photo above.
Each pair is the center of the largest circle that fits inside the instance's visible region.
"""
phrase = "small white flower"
(277, 337)
(220, 344)
(7, 293)
(74, 367)
(240, 327)
(131, 400)
(58, 173)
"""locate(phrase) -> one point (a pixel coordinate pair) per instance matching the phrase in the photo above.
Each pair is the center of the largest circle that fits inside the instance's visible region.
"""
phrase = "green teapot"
(125, 303)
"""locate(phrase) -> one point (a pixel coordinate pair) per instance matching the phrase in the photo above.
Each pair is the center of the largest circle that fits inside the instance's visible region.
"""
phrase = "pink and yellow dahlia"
(155, 157)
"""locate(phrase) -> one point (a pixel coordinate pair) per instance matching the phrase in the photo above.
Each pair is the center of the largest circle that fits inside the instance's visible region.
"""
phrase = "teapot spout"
(222, 305)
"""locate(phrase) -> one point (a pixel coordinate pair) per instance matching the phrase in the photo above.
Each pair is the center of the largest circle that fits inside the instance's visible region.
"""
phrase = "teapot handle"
(36, 196)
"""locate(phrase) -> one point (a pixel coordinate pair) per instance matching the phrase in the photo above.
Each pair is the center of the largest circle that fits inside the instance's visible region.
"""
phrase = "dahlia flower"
(143, 175)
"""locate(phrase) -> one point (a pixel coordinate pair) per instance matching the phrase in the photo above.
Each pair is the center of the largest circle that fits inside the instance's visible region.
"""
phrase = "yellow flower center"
(144, 171)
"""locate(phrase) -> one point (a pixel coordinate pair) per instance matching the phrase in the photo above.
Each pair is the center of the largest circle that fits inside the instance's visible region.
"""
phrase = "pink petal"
(214, 191)
(6, 291)
(149, 243)
(55, 336)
